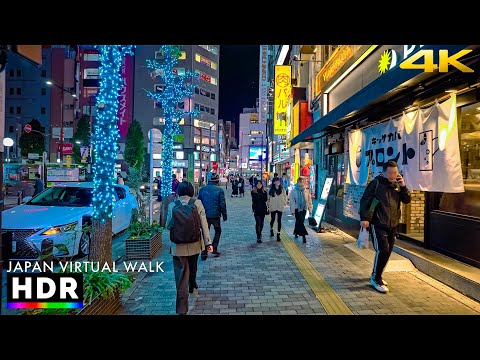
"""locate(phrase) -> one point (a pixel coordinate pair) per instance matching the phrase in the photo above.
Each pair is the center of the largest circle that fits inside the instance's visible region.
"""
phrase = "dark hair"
(255, 189)
(284, 174)
(37, 175)
(389, 163)
(174, 176)
(185, 188)
(275, 174)
(273, 188)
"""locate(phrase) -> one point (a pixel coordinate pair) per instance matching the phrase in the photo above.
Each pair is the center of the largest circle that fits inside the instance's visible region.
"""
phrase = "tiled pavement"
(250, 278)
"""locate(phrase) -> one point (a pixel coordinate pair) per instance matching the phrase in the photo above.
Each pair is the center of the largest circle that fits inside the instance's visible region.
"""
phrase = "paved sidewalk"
(251, 278)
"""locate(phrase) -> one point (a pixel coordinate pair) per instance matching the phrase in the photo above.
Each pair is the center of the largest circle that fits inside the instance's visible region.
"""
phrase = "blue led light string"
(177, 88)
(106, 135)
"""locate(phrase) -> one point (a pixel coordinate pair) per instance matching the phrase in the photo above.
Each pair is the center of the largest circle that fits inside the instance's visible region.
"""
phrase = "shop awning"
(377, 88)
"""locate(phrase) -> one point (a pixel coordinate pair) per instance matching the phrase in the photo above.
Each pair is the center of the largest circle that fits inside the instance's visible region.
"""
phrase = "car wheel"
(84, 245)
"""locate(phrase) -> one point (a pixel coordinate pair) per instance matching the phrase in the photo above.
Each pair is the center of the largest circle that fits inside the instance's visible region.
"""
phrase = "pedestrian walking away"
(277, 200)
(241, 186)
(235, 183)
(189, 236)
(389, 190)
(259, 207)
(39, 186)
(212, 197)
(175, 183)
(285, 182)
(300, 202)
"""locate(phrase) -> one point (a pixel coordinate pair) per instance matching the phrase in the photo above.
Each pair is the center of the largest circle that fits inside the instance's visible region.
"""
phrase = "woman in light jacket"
(300, 202)
(277, 200)
(185, 256)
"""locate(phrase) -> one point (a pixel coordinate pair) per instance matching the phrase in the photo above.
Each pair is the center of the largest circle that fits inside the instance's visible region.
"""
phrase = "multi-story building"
(252, 142)
(200, 134)
(27, 96)
(89, 77)
(47, 93)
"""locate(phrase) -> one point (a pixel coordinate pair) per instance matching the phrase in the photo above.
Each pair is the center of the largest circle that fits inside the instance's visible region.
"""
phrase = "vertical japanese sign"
(191, 168)
(424, 144)
(263, 82)
(283, 94)
(125, 99)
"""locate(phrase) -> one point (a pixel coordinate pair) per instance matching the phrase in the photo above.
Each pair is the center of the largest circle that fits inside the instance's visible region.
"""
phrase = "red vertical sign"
(125, 98)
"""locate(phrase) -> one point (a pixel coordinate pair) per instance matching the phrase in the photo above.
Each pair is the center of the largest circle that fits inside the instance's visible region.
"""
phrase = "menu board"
(326, 188)
(58, 174)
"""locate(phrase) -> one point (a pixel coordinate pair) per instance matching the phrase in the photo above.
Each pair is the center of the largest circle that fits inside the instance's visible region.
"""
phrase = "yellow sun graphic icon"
(384, 63)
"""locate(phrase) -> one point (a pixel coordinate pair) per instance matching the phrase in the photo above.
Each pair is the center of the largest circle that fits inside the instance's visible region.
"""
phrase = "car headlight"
(54, 230)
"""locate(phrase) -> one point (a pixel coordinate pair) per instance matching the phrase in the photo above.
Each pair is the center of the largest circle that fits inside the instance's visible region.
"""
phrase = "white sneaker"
(380, 288)
(384, 282)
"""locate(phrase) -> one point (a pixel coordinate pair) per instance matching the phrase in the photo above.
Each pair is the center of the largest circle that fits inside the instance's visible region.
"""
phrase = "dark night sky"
(238, 79)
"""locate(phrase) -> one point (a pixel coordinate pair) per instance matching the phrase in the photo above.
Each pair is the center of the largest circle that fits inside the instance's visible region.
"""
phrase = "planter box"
(139, 249)
(101, 306)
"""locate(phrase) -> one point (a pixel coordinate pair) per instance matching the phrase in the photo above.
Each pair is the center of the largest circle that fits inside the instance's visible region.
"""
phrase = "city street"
(321, 277)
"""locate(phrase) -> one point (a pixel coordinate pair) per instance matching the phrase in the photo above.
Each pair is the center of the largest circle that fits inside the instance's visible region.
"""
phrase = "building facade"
(199, 143)
(360, 92)
(252, 142)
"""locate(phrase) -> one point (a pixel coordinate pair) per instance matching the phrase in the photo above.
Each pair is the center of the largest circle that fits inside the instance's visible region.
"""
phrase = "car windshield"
(64, 196)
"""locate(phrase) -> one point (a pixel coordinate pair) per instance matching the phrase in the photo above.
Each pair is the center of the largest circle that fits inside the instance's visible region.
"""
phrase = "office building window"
(159, 55)
(19, 109)
(10, 129)
(179, 155)
(91, 73)
(205, 61)
(183, 55)
(44, 73)
(212, 111)
(212, 96)
(91, 57)
(11, 110)
(207, 78)
(43, 111)
(19, 72)
(158, 87)
(19, 91)
(210, 48)
(11, 73)
(179, 71)
(12, 91)
(90, 91)
(44, 91)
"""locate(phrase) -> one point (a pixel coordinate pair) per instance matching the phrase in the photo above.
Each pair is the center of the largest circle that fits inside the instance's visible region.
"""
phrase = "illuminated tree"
(104, 141)
(176, 88)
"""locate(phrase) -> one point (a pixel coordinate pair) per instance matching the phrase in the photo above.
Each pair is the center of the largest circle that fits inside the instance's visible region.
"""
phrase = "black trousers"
(259, 221)
(300, 229)
(383, 241)
(185, 269)
(279, 220)
(218, 230)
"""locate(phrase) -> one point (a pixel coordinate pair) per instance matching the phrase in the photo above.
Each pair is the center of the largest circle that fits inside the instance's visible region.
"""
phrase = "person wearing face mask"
(389, 190)
(300, 202)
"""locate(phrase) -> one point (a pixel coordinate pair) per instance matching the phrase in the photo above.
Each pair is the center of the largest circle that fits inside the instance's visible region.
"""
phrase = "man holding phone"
(389, 189)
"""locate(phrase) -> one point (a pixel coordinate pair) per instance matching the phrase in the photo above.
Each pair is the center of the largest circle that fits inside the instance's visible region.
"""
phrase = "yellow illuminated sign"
(283, 95)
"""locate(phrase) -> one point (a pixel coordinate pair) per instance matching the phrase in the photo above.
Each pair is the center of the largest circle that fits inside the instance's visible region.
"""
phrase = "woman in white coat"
(277, 200)
(300, 202)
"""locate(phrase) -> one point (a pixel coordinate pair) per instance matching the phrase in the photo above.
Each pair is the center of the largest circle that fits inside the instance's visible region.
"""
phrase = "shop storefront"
(444, 214)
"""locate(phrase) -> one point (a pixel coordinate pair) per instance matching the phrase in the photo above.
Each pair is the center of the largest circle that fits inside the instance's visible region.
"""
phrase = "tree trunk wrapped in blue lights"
(177, 88)
(104, 141)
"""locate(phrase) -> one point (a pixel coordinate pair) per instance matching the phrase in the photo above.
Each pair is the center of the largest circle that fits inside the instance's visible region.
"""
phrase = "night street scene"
(239, 180)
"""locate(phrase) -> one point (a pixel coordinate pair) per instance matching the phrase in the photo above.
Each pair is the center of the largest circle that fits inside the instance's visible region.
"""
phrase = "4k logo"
(445, 60)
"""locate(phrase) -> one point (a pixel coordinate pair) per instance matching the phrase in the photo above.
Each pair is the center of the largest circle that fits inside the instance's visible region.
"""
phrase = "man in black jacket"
(389, 190)
(213, 200)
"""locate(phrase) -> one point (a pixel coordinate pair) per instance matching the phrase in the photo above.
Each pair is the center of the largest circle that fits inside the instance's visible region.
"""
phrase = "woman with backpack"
(277, 200)
(259, 207)
(189, 235)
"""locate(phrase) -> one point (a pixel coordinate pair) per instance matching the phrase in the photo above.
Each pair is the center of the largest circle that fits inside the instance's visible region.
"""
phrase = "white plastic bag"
(362, 241)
